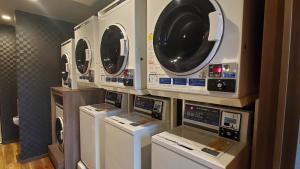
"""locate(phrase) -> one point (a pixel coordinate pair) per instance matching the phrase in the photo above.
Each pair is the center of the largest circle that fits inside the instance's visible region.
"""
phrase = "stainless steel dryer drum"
(67, 65)
(85, 55)
(122, 45)
(211, 137)
(200, 47)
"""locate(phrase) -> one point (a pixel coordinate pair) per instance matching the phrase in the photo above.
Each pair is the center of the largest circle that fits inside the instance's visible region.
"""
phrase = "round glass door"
(82, 56)
(114, 49)
(59, 130)
(184, 39)
(64, 67)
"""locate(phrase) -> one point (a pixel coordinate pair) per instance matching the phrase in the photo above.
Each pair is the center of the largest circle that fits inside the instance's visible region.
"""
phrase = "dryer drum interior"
(181, 36)
(82, 61)
(63, 67)
(59, 130)
(114, 49)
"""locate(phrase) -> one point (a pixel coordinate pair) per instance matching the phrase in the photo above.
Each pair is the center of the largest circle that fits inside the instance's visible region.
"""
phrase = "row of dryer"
(211, 137)
(190, 46)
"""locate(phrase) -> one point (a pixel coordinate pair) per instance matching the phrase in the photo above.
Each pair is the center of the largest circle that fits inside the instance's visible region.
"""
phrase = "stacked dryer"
(85, 55)
(122, 45)
(201, 47)
(67, 65)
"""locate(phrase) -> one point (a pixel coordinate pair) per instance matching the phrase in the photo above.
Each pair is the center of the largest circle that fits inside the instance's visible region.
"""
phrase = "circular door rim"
(62, 125)
(90, 62)
(68, 59)
(127, 54)
(212, 52)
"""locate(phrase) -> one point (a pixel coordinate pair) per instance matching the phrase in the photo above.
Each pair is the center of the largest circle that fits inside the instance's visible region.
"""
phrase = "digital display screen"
(229, 120)
(111, 96)
(217, 69)
(144, 103)
(202, 114)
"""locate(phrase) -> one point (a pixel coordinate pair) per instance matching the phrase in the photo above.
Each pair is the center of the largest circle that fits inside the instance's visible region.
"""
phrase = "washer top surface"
(187, 135)
(99, 109)
(132, 122)
(199, 146)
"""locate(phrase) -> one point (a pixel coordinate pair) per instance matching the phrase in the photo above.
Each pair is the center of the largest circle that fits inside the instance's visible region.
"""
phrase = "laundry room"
(149, 84)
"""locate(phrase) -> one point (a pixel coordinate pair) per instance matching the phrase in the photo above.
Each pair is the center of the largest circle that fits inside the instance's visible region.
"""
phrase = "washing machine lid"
(99, 109)
(114, 49)
(131, 123)
(83, 55)
(65, 67)
(59, 130)
(187, 35)
(195, 142)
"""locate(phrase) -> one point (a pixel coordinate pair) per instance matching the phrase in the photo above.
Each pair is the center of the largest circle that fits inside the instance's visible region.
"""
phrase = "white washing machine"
(210, 138)
(59, 127)
(67, 65)
(128, 137)
(92, 128)
(201, 47)
(122, 44)
(85, 55)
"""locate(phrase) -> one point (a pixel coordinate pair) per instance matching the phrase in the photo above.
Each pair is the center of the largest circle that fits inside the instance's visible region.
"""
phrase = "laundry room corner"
(8, 84)
(38, 42)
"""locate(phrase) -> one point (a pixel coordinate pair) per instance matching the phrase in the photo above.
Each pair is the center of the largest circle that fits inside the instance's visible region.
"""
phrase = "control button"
(228, 133)
(221, 85)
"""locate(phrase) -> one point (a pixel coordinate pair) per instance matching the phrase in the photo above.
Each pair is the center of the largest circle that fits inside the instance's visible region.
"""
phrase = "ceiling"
(74, 11)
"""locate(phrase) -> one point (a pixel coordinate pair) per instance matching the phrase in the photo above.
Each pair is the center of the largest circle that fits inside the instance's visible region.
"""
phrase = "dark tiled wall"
(38, 42)
(8, 83)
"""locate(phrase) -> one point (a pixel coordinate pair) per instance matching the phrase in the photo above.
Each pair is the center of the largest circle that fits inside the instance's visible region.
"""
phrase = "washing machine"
(59, 127)
(92, 128)
(201, 47)
(210, 138)
(67, 65)
(128, 136)
(122, 44)
(85, 55)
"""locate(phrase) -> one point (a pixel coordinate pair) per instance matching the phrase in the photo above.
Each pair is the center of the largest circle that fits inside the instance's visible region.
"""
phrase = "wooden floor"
(9, 159)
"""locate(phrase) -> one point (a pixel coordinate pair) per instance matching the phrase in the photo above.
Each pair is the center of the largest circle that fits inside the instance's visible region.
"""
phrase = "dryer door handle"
(67, 67)
(216, 26)
(88, 55)
(123, 47)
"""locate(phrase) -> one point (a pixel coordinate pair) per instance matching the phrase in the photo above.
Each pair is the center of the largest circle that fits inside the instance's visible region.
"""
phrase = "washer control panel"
(149, 106)
(114, 98)
(226, 122)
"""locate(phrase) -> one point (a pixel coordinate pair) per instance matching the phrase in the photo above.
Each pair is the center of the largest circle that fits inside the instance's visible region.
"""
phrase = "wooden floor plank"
(9, 159)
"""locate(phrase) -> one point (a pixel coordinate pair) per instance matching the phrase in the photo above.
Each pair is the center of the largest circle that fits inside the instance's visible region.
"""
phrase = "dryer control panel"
(222, 77)
(226, 122)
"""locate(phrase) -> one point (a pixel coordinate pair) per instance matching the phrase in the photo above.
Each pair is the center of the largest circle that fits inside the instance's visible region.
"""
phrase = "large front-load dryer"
(59, 127)
(67, 65)
(92, 128)
(201, 47)
(122, 44)
(85, 55)
(128, 136)
(210, 138)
